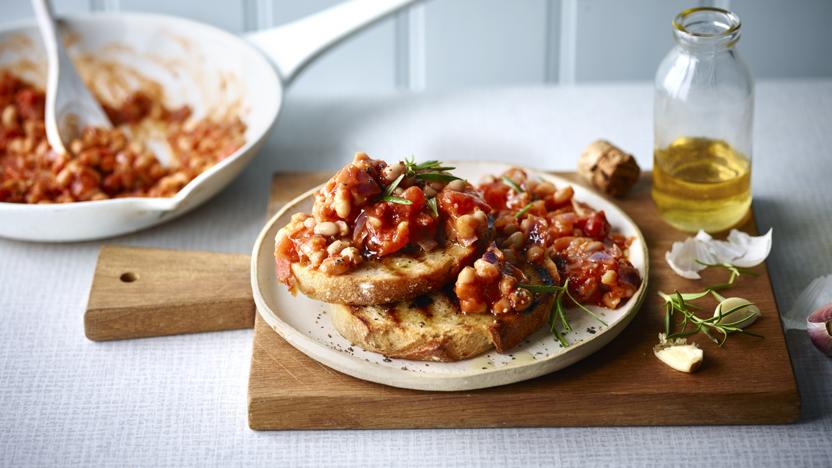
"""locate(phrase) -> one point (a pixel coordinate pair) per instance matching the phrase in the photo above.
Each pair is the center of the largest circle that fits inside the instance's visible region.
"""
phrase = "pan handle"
(294, 45)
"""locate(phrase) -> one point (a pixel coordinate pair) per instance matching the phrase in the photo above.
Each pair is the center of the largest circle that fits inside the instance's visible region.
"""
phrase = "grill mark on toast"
(393, 313)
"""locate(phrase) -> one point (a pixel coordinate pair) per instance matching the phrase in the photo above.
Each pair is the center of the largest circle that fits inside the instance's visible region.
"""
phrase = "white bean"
(563, 195)
(9, 116)
(350, 253)
(485, 269)
(609, 278)
(343, 227)
(466, 276)
(456, 185)
(390, 173)
(343, 204)
(326, 228)
(336, 247)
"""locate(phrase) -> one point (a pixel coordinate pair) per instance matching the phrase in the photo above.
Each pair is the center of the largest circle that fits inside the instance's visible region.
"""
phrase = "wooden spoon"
(70, 106)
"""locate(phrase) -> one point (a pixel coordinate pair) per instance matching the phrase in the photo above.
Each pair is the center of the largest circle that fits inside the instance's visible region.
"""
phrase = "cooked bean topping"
(491, 285)
(372, 209)
(101, 163)
(538, 224)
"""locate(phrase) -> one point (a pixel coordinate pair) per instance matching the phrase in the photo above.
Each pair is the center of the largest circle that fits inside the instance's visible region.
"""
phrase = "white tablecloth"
(182, 400)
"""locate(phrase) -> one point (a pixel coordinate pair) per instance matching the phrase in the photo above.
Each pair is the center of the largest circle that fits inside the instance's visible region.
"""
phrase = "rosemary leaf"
(399, 200)
(717, 296)
(561, 312)
(581, 306)
(390, 188)
(693, 296)
(436, 176)
(426, 165)
(553, 327)
(523, 211)
(512, 184)
(431, 202)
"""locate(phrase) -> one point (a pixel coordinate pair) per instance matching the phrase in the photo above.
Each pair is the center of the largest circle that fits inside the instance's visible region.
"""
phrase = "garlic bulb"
(819, 327)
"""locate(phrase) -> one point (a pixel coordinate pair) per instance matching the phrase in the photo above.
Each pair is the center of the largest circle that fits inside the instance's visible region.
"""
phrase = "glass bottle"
(702, 118)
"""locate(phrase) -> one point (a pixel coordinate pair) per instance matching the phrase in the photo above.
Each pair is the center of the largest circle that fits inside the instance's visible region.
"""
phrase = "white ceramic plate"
(305, 323)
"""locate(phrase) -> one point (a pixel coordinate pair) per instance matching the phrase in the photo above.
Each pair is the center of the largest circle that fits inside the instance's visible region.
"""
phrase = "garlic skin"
(755, 249)
(819, 327)
(748, 314)
(685, 258)
(678, 354)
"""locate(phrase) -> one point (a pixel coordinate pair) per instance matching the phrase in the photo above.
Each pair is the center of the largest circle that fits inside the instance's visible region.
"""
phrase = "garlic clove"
(678, 354)
(683, 358)
(740, 318)
(819, 327)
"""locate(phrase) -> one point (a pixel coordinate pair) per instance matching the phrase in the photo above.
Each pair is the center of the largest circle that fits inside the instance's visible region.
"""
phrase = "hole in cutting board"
(128, 277)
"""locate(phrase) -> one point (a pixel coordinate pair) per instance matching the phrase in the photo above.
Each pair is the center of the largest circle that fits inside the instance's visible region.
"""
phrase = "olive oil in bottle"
(703, 115)
(700, 183)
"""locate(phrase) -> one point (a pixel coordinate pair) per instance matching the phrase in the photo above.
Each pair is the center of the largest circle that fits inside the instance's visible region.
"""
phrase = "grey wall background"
(446, 45)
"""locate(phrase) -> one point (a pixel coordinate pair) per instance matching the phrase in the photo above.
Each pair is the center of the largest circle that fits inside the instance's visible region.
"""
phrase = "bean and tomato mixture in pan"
(103, 163)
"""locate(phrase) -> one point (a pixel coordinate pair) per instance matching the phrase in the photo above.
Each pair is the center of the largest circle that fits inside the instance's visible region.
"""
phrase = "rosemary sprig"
(690, 323)
(512, 184)
(410, 165)
(709, 326)
(558, 315)
(734, 273)
(388, 192)
(428, 170)
(523, 211)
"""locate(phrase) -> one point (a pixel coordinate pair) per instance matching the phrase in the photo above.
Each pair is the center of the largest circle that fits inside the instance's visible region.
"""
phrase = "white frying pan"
(199, 65)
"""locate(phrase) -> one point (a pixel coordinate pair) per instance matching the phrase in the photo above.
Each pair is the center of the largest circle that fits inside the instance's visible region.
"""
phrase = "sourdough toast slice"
(393, 278)
(432, 328)
(381, 233)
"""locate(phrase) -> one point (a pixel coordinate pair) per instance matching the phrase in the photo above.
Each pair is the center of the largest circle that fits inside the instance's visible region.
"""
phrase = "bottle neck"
(706, 29)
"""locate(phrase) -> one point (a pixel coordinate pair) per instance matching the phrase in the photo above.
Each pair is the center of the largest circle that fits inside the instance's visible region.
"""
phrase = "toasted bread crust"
(434, 331)
(432, 328)
(391, 279)
(508, 330)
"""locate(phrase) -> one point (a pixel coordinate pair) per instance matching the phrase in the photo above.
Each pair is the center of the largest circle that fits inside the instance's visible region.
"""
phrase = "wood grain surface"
(748, 381)
(139, 292)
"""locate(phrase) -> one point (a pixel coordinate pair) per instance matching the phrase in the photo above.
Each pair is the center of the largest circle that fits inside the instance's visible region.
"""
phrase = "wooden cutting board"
(151, 292)
(749, 381)
(140, 292)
